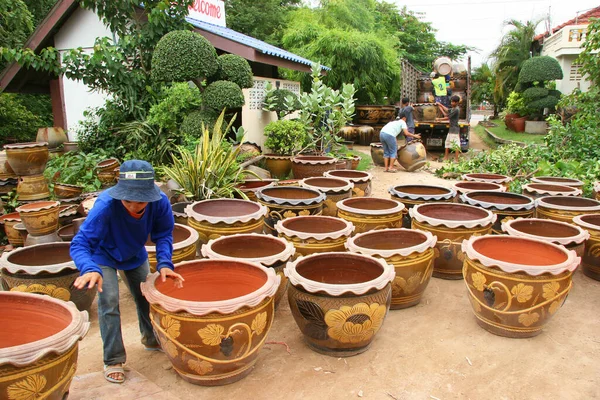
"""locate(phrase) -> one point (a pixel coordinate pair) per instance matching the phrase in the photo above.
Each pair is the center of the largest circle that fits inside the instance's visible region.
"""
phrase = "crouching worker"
(388, 137)
(112, 238)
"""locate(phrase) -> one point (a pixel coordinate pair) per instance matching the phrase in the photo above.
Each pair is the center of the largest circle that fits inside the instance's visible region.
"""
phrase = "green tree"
(483, 79)
(589, 56)
(39, 9)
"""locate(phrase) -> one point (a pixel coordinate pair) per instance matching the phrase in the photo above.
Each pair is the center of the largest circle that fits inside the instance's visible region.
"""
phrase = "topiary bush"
(223, 94)
(534, 93)
(193, 122)
(235, 69)
(181, 56)
(539, 69)
(549, 102)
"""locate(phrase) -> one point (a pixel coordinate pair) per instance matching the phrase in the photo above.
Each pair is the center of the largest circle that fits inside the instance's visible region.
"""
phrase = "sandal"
(114, 369)
(154, 348)
(393, 171)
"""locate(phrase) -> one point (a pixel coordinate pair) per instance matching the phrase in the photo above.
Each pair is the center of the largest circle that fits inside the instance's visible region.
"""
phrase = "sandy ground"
(432, 351)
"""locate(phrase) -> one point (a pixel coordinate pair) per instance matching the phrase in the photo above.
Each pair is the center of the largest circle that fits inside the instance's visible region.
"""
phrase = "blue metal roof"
(249, 41)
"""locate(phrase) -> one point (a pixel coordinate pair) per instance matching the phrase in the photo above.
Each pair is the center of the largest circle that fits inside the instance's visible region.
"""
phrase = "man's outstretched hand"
(169, 273)
(88, 281)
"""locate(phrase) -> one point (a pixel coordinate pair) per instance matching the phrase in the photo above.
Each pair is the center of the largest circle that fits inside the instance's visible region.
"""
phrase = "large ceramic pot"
(213, 328)
(66, 233)
(267, 250)
(250, 187)
(45, 269)
(571, 236)
(411, 195)
(537, 190)
(451, 223)
(411, 252)
(39, 346)
(278, 166)
(590, 261)
(67, 212)
(54, 136)
(361, 180)
(334, 189)
(27, 158)
(31, 240)
(472, 186)
(223, 217)
(489, 178)
(110, 164)
(33, 187)
(309, 166)
(6, 172)
(504, 204)
(412, 156)
(107, 178)
(40, 218)
(387, 114)
(516, 284)
(66, 191)
(368, 114)
(9, 221)
(425, 85)
(368, 213)
(179, 212)
(377, 154)
(185, 241)
(349, 133)
(365, 135)
(508, 120)
(315, 234)
(339, 300)
(519, 124)
(71, 146)
(287, 202)
(555, 180)
(564, 208)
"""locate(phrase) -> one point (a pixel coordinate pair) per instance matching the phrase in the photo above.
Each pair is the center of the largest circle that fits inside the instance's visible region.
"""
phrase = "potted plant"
(284, 139)
(515, 119)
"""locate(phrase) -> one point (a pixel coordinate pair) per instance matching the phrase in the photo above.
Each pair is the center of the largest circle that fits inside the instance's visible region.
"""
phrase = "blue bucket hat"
(136, 183)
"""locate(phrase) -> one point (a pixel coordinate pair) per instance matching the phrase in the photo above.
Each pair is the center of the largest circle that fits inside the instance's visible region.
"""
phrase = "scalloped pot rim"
(34, 270)
(569, 182)
(284, 255)
(570, 264)
(581, 236)
(365, 178)
(193, 238)
(387, 275)
(347, 231)
(200, 308)
(320, 196)
(446, 196)
(571, 190)
(260, 213)
(470, 177)
(429, 242)
(348, 185)
(37, 206)
(399, 207)
(25, 145)
(306, 160)
(465, 198)
(29, 353)
(456, 186)
(489, 220)
(541, 202)
(579, 221)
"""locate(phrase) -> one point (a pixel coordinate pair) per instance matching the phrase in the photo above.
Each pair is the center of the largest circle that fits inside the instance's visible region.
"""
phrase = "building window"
(575, 73)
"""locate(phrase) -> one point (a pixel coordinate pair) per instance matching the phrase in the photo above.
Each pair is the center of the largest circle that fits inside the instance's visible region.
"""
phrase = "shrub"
(516, 104)
(181, 56)
(545, 102)
(285, 137)
(235, 69)
(223, 94)
(17, 121)
(282, 101)
(538, 69)
(175, 101)
(534, 93)
(193, 122)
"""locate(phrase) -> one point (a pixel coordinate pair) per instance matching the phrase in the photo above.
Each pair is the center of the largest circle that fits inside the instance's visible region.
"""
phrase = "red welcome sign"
(212, 11)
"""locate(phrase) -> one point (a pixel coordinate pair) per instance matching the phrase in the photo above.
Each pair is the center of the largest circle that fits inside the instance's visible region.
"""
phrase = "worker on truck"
(440, 89)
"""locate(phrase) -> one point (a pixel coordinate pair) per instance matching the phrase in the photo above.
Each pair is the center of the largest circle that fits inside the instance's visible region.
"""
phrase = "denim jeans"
(109, 315)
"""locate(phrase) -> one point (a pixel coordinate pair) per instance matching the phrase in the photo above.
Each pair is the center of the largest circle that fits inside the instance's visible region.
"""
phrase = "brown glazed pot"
(361, 180)
(213, 328)
(335, 189)
(387, 114)
(223, 217)
(590, 261)
(39, 346)
(66, 191)
(185, 241)
(27, 158)
(71, 146)
(9, 221)
(377, 154)
(349, 133)
(287, 202)
(411, 252)
(309, 166)
(537, 190)
(110, 164)
(365, 135)
(40, 218)
(315, 234)
(107, 178)
(179, 212)
(504, 204)
(54, 136)
(66, 233)
(6, 172)
(368, 114)
(33, 187)
(472, 186)
(556, 180)
(451, 223)
(250, 186)
(267, 250)
(516, 285)
(339, 300)
(368, 213)
(519, 124)
(355, 162)
(488, 178)
(564, 208)
(45, 269)
(412, 156)
(279, 166)
(411, 195)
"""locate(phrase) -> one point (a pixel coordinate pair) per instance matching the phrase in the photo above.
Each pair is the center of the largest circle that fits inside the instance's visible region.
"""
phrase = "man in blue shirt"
(112, 238)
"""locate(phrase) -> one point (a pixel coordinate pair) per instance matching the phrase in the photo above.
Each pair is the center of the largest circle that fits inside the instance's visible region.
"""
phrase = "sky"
(479, 23)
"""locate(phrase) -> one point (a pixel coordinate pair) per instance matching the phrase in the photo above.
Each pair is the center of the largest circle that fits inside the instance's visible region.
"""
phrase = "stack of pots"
(361, 180)
(108, 171)
(28, 161)
(41, 220)
(8, 178)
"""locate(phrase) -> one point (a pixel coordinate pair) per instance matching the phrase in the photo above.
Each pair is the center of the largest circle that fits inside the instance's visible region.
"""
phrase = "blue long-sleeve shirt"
(110, 236)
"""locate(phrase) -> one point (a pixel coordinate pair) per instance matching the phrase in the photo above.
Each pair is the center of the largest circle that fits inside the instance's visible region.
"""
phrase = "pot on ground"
(369, 213)
(66, 191)
(9, 221)
(71, 146)
(110, 164)
(377, 154)
(564, 208)
(412, 156)
(335, 189)
(179, 212)
(362, 180)
(590, 260)
(309, 166)
(472, 186)
(250, 186)
(279, 166)
(505, 205)
(557, 180)
(40, 218)
(66, 233)
(185, 241)
(537, 190)
(6, 172)
(488, 178)
(411, 195)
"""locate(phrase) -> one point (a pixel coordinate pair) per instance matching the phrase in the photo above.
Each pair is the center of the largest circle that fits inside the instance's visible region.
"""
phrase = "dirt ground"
(432, 351)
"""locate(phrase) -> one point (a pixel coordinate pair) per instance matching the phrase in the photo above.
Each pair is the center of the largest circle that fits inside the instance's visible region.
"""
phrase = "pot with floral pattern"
(32, 187)
(590, 261)
(515, 284)
(308, 166)
(287, 202)
(223, 217)
(45, 269)
(368, 213)
(537, 190)
(40, 218)
(339, 300)
(27, 159)
(557, 180)
(361, 180)
(410, 251)
(185, 241)
(488, 178)
(250, 186)
(315, 234)
(9, 221)
(463, 187)
(267, 250)
(505, 205)
(38, 346)
(335, 189)
(451, 223)
(411, 195)
(213, 328)
(564, 208)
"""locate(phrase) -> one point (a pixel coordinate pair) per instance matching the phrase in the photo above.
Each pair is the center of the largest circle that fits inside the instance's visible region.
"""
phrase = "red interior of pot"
(546, 228)
(519, 251)
(390, 240)
(226, 208)
(326, 182)
(593, 219)
(487, 176)
(499, 197)
(421, 189)
(214, 280)
(349, 174)
(556, 179)
(291, 193)
(37, 205)
(478, 185)
(13, 215)
(180, 207)
(27, 320)
(314, 224)
(452, 212)
(66, 231)
(248, 246)
(179, 235)
(43, 254)
(570, 201)
(551, 188)
(248, 185)
(339, 269)
(370, 203)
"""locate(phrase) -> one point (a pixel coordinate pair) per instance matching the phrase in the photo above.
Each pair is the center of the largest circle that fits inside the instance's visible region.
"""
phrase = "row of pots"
(306, 166)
